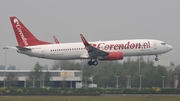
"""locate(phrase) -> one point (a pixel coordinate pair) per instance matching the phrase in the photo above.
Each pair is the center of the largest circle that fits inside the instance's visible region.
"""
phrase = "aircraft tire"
(90, 63)
(156, 59)
(95, 63)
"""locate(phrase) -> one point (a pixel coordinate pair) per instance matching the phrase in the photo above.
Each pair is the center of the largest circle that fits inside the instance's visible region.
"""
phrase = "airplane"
(29, 45)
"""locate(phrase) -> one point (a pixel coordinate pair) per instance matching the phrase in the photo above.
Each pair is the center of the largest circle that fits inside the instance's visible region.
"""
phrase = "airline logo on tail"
(23, 35)
(18, 27)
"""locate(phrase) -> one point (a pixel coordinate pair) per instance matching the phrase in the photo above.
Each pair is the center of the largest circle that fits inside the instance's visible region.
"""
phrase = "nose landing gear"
(156, 59)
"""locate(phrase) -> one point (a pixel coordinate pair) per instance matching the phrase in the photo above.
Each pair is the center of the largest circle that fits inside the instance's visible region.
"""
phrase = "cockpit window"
(163, 43)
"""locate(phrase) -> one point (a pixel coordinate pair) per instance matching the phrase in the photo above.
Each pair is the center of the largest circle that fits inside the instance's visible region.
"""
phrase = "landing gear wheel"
(90, 63)
(95, 63)
(156, 59)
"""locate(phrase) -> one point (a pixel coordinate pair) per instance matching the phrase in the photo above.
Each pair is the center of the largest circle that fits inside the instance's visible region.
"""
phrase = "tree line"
(106, 72)
(128, 72)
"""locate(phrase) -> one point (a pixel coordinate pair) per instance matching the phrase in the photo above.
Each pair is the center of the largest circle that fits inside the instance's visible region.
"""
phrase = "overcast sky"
(95, 19)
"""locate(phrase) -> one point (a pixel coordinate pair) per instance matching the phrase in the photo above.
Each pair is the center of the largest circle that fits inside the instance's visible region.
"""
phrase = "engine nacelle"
(113, 56)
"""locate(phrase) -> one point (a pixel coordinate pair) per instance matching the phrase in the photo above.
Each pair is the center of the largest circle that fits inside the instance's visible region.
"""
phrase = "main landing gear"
(91, 62)
(156, 59)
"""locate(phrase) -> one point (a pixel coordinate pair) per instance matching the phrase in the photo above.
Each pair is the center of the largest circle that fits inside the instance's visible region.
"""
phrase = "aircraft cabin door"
(42, 52)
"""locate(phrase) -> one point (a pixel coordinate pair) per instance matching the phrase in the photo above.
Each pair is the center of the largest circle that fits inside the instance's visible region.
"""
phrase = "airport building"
(70, 77)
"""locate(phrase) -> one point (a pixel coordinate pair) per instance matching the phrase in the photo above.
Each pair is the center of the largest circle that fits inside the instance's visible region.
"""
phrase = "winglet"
(84, 40)
(56, 40)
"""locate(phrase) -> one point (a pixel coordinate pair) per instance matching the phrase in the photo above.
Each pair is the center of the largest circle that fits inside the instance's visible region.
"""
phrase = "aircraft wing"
(92, 51)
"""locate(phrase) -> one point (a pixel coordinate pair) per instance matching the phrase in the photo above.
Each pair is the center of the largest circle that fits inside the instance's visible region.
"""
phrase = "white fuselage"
(67, 51)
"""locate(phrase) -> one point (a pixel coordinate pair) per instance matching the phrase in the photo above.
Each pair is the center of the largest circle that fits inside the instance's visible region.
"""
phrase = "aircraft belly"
(64, 55)
(137, 52)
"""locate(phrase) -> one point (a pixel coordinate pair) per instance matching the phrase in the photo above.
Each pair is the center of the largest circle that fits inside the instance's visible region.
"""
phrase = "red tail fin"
(23, 35)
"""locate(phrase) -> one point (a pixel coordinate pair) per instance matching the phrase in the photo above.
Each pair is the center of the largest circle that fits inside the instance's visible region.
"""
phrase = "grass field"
(89, 98)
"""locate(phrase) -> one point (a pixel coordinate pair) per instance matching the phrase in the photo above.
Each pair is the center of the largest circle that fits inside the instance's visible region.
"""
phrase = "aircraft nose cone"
(170, 47)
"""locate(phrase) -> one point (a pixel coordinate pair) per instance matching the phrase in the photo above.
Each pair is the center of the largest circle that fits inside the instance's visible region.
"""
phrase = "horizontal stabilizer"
(22, 48)
(10, 47)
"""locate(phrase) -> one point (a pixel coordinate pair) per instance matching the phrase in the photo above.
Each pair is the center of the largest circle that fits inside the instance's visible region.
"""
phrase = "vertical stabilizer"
(23, 35)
